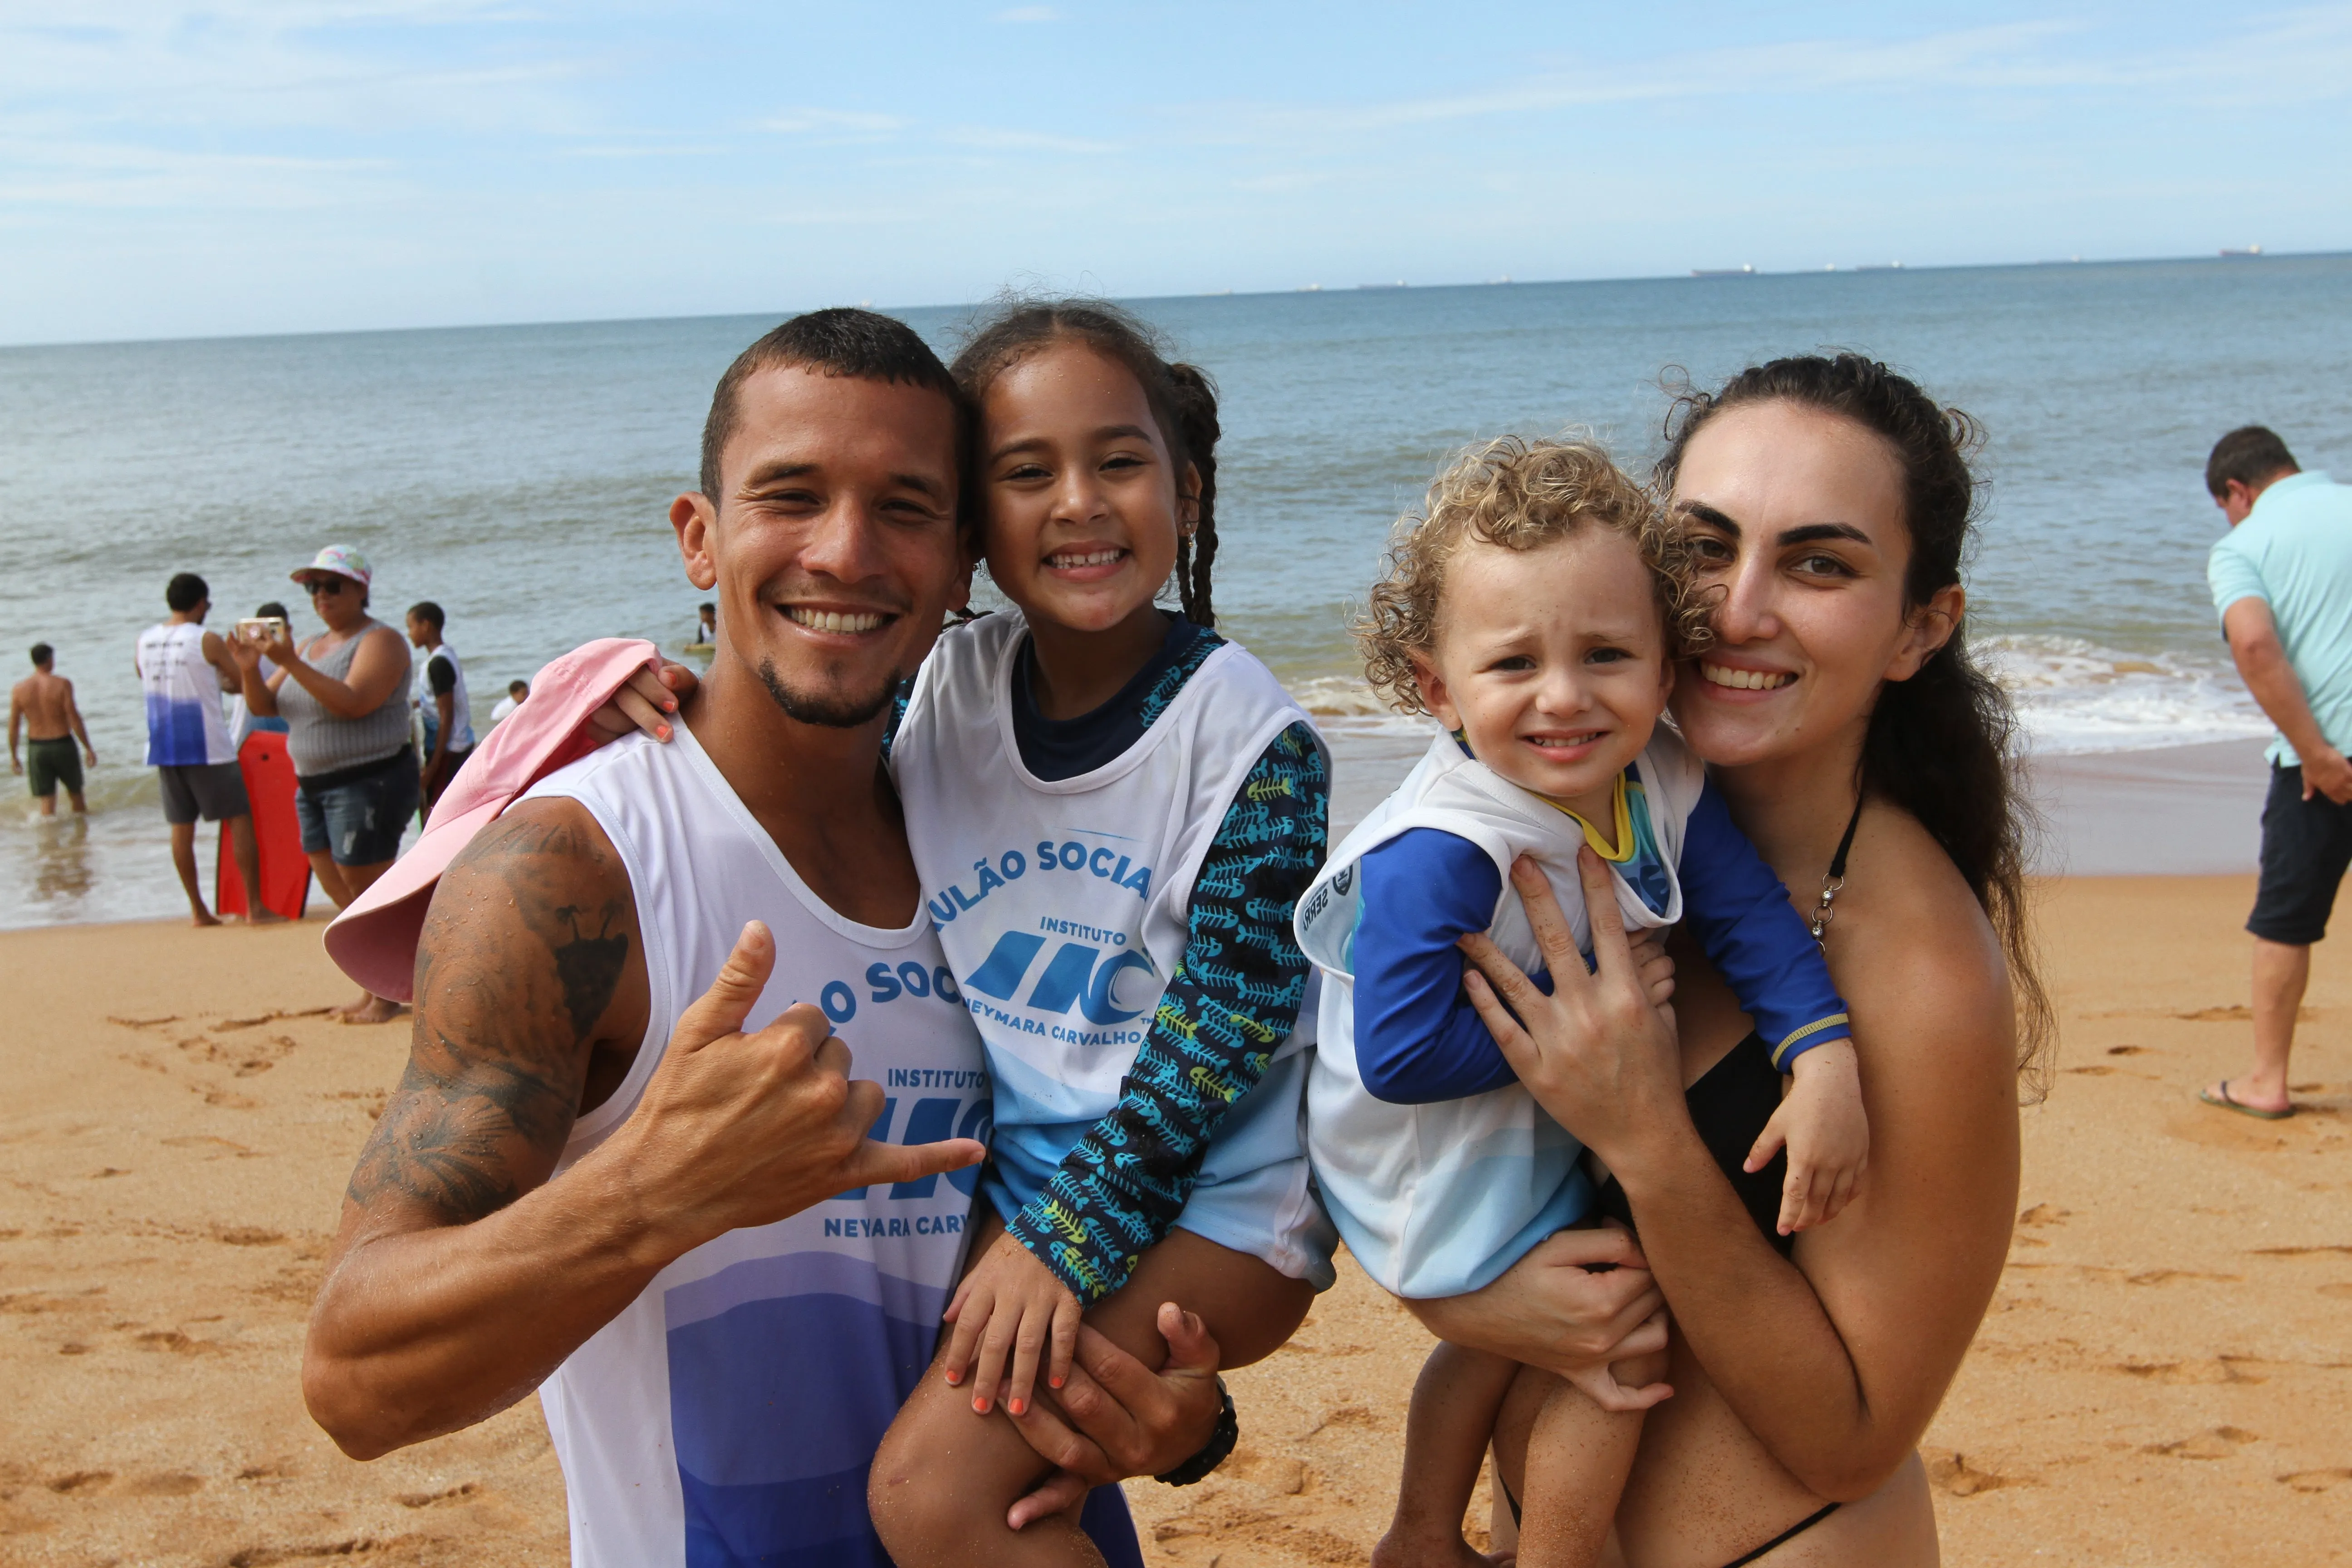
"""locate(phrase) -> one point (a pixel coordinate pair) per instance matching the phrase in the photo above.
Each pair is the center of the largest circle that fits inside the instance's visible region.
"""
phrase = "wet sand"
(2165, 1376)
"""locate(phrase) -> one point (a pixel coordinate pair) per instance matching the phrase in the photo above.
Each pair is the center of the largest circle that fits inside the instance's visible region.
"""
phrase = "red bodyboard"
(268, 771)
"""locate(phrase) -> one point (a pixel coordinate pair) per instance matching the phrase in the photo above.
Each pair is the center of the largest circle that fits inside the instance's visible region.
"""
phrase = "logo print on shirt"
(1075, 973)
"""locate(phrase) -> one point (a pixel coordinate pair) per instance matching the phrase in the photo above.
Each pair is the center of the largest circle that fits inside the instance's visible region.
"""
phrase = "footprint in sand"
(1951, 1474)
(2221, 1443)
(2215, 1369)
(2315, 1480)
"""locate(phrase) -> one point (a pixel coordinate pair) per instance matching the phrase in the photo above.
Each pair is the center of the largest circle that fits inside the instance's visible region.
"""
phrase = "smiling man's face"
(833, 545)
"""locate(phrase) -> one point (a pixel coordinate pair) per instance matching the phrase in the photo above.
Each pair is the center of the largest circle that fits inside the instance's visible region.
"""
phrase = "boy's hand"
(1010, 1301)
(1820, 1121)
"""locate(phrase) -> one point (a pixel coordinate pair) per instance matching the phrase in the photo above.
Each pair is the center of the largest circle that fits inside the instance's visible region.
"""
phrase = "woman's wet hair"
(1942, 745)
(1516, 495)
(1182, 399)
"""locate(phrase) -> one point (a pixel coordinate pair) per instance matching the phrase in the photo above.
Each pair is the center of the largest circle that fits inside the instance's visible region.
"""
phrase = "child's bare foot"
(203, 917)
(1434, 1549)
(263, 917)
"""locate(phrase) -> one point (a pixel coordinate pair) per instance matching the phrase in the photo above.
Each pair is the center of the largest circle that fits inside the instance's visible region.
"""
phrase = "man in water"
(2282, 579)
(42, 707)
(449, 713)
(666, 1213)
(706, 628)
(516, 691)
(186, 671)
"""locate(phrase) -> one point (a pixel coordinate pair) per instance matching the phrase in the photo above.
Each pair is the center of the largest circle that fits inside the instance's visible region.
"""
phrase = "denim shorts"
(358, 821)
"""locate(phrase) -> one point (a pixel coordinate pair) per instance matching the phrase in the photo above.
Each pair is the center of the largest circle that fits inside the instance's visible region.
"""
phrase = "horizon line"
(1696, 275)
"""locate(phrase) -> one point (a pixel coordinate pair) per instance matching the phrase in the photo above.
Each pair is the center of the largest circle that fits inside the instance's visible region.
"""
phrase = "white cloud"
(832, 122)
(987, 136)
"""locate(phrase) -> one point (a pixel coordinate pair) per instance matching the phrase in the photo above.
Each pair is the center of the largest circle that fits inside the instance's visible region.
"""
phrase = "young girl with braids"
(1113, 811)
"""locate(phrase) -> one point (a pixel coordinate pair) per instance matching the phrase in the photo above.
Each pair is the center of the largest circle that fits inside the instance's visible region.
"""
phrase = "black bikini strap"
(1845, 845)
(1786, 1535)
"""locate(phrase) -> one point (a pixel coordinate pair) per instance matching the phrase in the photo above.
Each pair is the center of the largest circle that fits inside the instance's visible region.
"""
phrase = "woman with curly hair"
(1537, 610)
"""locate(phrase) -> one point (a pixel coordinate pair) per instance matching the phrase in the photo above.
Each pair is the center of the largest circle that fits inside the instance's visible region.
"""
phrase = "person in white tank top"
(629, 1163)
(1112, 810)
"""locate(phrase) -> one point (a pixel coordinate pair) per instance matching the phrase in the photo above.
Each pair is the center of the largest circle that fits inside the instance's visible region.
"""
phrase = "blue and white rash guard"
(1438, 1168)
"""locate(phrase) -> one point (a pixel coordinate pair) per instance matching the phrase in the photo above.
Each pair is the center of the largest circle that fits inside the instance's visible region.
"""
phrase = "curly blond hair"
(1520, 495)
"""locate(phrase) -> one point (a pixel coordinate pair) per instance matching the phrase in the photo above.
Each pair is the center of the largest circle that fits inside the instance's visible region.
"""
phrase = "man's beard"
(835, 713)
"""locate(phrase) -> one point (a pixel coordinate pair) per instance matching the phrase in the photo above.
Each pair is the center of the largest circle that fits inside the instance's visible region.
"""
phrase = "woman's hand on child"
(646, 703)
(1597, 1053)
(1579, 1300)
(1012, 1303)
(1821, 1122)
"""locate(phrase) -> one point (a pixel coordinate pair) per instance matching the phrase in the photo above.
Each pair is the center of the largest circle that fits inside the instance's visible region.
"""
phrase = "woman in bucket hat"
(344, 697)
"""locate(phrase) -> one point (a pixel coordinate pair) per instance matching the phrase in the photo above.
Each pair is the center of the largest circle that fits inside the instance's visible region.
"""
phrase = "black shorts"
(48, 764)
(214, 789)
(2306, 844)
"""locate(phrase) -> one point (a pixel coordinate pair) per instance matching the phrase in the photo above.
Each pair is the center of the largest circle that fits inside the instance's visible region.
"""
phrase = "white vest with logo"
(1437, 1200)
(729, 1412)
(1063, 905)
(185, 724)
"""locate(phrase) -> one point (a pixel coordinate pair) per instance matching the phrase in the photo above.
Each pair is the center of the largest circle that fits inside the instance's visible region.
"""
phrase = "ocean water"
(520, 476)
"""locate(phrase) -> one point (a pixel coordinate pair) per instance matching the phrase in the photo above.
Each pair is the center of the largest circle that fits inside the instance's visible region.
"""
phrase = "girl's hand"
(647, 703)
(1552, 1310)
(1597, 1053)
(1010, 1301)
(1820, 1121)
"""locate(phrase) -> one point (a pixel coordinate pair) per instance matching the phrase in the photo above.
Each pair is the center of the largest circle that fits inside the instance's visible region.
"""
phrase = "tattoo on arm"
(525, 948)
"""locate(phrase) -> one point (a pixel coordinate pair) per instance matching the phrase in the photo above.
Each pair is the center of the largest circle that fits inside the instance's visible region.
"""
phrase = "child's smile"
(1551, 663)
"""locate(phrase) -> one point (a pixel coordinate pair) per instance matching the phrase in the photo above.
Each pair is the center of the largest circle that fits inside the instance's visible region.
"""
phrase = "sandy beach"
(2165, 1376)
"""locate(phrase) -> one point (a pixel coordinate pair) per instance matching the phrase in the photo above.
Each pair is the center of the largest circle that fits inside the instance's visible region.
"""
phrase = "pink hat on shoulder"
(374, 941)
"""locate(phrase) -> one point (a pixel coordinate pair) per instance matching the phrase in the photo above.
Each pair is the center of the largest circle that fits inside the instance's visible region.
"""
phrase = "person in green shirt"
(2282, 582)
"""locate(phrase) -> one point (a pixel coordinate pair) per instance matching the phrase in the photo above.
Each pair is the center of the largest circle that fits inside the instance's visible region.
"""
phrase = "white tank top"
(461, 711)
(1063, 904)
(185, 726)
(729, 1412)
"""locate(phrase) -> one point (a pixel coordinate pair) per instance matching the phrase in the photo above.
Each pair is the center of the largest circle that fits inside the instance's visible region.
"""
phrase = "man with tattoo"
(627, 1165)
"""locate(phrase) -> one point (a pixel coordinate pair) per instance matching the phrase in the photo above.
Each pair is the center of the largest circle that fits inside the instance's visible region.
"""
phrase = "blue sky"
(171, 170)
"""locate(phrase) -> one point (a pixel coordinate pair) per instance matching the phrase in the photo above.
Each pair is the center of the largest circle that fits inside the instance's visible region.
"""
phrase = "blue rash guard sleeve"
(1418, 1038)
(1232, 1000)
(1740, 913)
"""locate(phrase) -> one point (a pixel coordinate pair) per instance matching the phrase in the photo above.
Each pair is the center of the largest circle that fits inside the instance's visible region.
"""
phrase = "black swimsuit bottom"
(1729, 1105)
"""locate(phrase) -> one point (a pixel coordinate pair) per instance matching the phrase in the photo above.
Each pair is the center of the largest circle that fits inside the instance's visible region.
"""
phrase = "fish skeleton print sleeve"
(1232, 999)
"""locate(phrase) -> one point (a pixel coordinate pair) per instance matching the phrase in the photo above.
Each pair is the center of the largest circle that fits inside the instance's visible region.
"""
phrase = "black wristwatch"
(1219, 1449)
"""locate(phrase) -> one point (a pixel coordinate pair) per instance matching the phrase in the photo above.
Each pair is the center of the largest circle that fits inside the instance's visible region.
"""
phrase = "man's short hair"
(860, 344)
(2249, 455)
(42, 653)
(708, 608)
(186, 592)
(428, 612)
(518, 688)
(274, 608)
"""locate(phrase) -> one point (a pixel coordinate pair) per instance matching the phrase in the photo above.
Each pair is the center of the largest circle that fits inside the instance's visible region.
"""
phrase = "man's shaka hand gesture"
(740, 1130)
